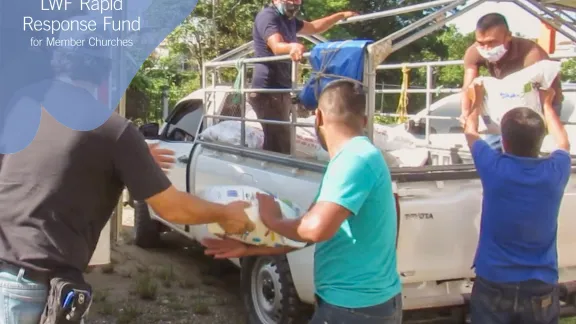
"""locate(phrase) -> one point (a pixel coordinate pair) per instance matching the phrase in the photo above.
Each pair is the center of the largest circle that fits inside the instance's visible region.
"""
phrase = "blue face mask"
(287, 9)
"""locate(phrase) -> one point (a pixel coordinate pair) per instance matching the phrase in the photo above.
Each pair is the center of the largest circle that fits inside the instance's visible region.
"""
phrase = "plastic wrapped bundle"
(519, 89)
(260, 235)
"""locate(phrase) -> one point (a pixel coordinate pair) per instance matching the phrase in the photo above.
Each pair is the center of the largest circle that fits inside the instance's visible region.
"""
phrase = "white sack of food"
(519, 89)
(260, 235)
(229, 132)
(410, 157)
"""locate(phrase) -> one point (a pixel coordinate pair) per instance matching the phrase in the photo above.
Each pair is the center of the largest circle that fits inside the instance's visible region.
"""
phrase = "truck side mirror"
(150, 131)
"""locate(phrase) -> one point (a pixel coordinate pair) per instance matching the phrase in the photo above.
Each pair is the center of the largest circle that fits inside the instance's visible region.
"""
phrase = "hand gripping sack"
(260, 235)
(519, 89)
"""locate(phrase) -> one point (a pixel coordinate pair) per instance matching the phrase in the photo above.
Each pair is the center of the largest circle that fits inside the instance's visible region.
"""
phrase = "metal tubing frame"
(370, 65)
(395, 12)
(293, 109)
(248, 48)
(555, 18)
(434, 27)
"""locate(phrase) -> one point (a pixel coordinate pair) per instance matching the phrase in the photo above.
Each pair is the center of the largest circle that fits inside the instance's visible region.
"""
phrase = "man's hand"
(477, 94)
(269, 210)
(224, 248)
(348, 14)
(163, 157)
(462, 119)
(297, 51)
(547, 97)
(235, 220)
(553, 122)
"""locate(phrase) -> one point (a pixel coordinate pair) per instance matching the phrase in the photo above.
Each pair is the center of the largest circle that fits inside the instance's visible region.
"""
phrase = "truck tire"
(146, 230)
(268, 291)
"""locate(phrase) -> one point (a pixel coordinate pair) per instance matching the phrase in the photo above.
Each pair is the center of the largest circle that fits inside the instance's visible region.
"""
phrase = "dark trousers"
(527, 302)
(389, 312)
(273, 106)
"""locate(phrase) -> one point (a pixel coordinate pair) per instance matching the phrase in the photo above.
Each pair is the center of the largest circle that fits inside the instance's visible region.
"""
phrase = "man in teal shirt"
(352, 221)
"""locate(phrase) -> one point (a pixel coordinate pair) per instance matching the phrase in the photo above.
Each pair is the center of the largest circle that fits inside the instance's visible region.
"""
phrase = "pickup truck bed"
(439, 219)
(439, 216)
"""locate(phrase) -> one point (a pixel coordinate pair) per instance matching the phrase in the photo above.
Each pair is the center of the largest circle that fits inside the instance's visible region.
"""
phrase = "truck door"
(566, 243)
(178, 136)
(438, 228)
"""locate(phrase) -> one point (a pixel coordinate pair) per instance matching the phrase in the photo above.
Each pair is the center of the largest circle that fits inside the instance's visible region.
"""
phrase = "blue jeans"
(389, 312)
(21, 301)
(527, 302)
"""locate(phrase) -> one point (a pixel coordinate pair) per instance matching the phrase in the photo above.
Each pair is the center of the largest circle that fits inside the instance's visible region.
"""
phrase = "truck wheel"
(268, 291)
(146, 230)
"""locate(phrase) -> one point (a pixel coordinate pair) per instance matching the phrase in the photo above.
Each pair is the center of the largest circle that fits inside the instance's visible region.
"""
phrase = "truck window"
(184, 124)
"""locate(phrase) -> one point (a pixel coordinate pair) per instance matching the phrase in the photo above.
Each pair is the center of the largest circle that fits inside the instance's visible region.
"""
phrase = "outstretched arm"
(476, 97)
(553, 123)
(470, 73)
(321, 25)
(226, 248)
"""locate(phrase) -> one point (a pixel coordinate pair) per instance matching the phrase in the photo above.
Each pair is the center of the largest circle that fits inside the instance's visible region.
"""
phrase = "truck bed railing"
(376, 54)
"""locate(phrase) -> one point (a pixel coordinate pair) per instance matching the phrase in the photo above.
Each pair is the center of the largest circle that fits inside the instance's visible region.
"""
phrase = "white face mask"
(492, 55)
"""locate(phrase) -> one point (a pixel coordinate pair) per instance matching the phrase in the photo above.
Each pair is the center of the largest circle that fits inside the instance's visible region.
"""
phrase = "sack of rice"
(519, 89)
(260, 235)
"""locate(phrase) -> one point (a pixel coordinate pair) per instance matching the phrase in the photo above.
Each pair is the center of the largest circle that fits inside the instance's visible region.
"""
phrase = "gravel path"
(173, 284)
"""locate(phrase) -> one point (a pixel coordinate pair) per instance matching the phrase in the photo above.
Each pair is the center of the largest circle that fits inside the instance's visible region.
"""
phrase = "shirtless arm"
(470, 73)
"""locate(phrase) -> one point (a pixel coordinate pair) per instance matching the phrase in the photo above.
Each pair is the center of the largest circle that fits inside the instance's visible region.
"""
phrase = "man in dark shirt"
(57, 194)
(275, 33)
(517, 260)
(502, 54)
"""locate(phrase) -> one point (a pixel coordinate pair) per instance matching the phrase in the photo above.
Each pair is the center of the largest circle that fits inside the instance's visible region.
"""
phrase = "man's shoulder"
(525, 42)
(362, 154)
(115, 126)
(528, 48)
(266, 13)
(471, 55)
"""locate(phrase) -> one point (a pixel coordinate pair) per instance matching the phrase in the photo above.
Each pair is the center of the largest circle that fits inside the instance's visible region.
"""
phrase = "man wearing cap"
(502, 54)
(275, 33)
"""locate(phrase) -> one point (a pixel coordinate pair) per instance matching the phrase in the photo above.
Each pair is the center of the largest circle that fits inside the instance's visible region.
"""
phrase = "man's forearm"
(323, 24)
(264, 250)
(556, 128)
(288, 228)
(471, 126)
(190, 210)
(466, 105)
(282, 48)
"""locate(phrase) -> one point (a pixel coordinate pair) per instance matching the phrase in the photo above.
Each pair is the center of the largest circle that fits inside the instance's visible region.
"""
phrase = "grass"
(146, 288)
(166, 275)
(201, 308)
(129, 315)
(569, 320)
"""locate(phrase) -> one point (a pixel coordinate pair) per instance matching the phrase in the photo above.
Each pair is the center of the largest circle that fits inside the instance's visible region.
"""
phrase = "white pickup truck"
(439, 214)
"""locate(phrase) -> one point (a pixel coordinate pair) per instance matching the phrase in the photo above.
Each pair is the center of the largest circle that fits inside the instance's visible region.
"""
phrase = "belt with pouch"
(69, 297)
(39, 277)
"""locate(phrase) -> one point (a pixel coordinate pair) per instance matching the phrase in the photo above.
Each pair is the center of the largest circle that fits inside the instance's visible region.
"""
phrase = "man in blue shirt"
(352, 220)
(275, 33)
(516, 260)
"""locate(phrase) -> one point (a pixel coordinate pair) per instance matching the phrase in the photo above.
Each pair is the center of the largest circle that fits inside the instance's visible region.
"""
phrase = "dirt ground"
(174, 284)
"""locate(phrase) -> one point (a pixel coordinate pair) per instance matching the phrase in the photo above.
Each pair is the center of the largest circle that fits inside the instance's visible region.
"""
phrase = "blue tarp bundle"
(331, 61)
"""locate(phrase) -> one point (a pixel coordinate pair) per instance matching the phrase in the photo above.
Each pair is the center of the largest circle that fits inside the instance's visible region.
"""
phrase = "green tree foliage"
(569, 70)
(211, 31)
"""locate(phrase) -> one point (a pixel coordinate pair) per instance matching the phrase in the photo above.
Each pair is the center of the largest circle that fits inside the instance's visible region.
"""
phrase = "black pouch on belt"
(68, 302)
